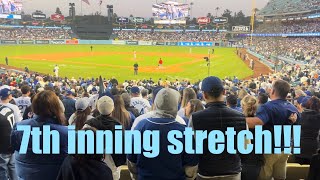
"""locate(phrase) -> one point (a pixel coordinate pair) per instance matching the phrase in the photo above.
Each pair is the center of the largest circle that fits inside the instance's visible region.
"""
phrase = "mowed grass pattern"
(117, 61)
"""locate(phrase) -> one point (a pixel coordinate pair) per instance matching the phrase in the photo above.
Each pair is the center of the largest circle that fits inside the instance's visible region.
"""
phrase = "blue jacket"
(165, 165)
(32, 166)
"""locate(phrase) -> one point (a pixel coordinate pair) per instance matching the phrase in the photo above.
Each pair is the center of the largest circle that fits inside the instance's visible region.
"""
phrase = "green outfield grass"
(117, 61)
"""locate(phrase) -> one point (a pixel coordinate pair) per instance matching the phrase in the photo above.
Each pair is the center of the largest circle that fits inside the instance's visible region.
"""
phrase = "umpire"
(136, 68)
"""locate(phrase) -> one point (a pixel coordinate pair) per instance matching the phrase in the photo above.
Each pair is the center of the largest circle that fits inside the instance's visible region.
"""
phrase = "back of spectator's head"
(5, 94)
(262, 98)
(299, 93)
(114, 91)
(313, 104)
(144, 92)
(46, 104)
(105, 105)
(249, 105)
(166, 102)
(135, 91)
(25, 89)
(212, 87)
(187, 95)
(232, 100)
(193, 106)
(242, 93)
(126, 98)
(280, 89)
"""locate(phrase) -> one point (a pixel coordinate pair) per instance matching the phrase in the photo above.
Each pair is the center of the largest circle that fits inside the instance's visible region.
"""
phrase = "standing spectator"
(82, 113)
(187, 95)
(24, 101)
(33, 166)
(179, 166)
(194, 105)
(138, 102)
(104, 121)
(120, 113)
(126, 99)
(7, 160)
(251, 163)
(69, 104)
(232, 103)
(278, 111)
(217, 116)
(310, 130)
(6, 97)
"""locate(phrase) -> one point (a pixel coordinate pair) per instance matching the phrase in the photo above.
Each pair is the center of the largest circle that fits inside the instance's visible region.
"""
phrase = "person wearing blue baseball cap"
(217, 116)
(138, 102)
(6, 97)
(69, 104)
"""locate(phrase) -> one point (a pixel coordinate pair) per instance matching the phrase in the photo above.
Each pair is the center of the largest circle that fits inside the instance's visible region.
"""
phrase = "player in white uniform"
(56, 70)
(24, 101)
(134, 54)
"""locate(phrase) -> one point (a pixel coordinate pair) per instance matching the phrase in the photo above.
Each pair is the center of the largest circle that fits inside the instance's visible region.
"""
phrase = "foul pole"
(253, 17)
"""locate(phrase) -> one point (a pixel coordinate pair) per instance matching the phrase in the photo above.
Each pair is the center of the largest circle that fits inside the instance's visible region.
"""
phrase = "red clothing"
(160, 61)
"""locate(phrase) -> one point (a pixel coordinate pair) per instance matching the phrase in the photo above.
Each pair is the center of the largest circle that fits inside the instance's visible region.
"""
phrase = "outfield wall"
(110, 42)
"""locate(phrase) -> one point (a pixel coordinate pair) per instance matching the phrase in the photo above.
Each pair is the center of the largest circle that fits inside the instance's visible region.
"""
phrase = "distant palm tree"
(217, 10)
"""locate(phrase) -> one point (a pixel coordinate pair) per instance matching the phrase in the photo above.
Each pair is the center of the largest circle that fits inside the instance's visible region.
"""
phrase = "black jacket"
(73, 169)
(103, 122)
(310, 131)
(6, 123)
(218, 116)
(314, 170)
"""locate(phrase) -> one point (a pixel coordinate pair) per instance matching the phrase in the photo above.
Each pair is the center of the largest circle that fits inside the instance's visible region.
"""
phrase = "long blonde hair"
(249, 105)
(120, 112)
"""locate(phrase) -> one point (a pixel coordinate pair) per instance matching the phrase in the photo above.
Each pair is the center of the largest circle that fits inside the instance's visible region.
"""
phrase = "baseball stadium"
(166, 66)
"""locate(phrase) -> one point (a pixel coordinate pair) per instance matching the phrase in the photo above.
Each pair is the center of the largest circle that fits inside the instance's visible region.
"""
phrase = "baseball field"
(117, 61)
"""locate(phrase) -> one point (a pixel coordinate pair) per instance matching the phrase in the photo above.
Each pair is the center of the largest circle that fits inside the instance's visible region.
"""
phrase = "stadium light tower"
(253, 18)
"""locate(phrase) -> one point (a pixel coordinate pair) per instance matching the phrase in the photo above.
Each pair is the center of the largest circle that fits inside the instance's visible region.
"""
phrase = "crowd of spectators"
(169, 36)
(289, 27)
(100, 104)
(302, 49)
(34, 33)
(289, 6)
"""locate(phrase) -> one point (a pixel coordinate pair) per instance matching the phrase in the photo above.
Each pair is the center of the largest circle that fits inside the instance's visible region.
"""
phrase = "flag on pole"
(86, 1)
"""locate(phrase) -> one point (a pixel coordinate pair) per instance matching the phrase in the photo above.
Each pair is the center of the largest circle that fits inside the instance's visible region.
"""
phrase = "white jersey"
(23, 103)
(93, 101)
(56, 71)
(141, 104)
(16, 111)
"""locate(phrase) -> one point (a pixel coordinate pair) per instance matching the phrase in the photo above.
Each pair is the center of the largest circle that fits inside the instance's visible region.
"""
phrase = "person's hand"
(293, 118)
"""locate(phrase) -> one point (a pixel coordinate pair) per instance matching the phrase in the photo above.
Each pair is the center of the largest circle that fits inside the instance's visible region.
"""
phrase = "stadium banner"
(26, 42)
(220, 20)
(171, 43)
(159, 43)
(118, 42)
(203, 20)
(57, 17)
(10, 16)
(132, 43)
(95, 41)
(58, 41)
(42, 42)
(241, 28)
(38, 16)
(138, 20)
(8, 42)
(71, 41)
(145, 43)
(182, 21)
(195, 44)
(122, 20)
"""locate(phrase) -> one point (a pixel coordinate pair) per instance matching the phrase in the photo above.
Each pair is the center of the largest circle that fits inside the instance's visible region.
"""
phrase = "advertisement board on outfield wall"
(42, 42)
(145, 43)
(132, 42)
(26, 42)
(8, 42)
(119, 42)
(195, 44)
(171, 43)
(72, 41)
(58, 41)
